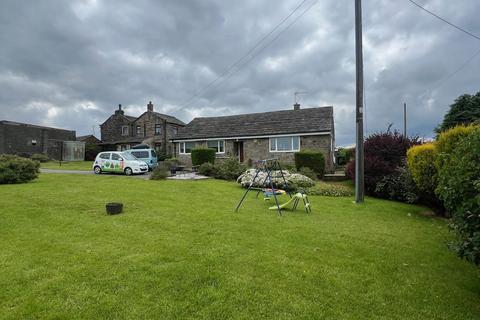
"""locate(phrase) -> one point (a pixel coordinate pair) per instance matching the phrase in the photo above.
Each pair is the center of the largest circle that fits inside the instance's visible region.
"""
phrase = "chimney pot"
(296, 106)
(150, 106)
(119, 111)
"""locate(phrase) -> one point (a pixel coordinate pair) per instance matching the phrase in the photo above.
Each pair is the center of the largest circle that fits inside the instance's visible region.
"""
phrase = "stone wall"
(258, 149)
(26, 139)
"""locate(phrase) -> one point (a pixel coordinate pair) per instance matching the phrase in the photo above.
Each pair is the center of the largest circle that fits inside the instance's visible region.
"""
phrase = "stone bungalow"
(121, 132)
(264, 135)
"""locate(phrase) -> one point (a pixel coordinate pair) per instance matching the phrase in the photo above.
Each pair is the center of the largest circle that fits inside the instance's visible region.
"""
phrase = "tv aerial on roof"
(296, 94)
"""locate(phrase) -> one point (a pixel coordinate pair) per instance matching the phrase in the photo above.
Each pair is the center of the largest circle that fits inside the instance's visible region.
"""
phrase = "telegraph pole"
(404, 120)
(359, 164)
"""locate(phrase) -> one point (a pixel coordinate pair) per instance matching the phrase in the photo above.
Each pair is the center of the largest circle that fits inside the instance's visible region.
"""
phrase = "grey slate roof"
(8, 122)
(170, 119)
(131, 118)
(307, 120)
(81, 138)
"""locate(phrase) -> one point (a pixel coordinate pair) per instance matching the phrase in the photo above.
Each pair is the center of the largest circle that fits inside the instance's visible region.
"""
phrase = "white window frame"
(274, 139)
(123, 130)
(138, 130)
(218, 145)
(158, 126)
(182, 147)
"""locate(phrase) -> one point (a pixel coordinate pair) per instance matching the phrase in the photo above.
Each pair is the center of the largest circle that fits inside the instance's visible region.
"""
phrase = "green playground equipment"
(293, 202)
(268, 166)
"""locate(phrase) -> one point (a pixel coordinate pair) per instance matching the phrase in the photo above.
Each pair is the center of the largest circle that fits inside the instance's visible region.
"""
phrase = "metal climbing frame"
(268, 166)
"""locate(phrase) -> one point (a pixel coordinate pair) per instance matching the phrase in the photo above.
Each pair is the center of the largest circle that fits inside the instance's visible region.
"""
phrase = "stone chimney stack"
(296, 106)
(150, 106)
(119, 111)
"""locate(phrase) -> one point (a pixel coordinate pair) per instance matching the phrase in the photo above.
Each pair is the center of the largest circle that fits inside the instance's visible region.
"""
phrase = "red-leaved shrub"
(384, 152)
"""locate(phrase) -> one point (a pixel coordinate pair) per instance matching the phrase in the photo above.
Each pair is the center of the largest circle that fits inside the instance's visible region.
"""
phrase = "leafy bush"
(288, 166)
(40, 157)
(162, 155)
(207, 169)
(310, 159)
(159, 173)
(459, 189)
(384, 152)
(202, 155)
(448, 140)
(229, 169)
(421, 165)
(330, 190)
(345, 155)
(398, 186)
(14, 169)
(170, 163)
(308, 172)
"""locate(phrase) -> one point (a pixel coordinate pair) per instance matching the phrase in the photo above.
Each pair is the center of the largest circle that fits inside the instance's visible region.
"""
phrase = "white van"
(119, 162)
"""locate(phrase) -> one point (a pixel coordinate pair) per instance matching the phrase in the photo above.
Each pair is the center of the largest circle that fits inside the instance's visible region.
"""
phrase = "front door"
(239, 150)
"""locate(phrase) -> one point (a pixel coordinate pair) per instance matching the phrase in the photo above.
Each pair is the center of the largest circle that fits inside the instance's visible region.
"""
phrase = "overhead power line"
(440, 82)
(446, 21)
(267, 44)
(247, 57)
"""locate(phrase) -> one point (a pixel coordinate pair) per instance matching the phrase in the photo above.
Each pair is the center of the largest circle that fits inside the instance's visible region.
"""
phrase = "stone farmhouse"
(121, 132)
(264, 135)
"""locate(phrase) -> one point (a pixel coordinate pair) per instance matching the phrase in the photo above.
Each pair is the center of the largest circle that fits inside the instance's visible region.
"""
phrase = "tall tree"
(465, 110)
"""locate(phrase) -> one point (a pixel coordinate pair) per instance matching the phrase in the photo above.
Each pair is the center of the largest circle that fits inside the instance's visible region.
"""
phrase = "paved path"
(143, 176)
(181, 176)
(65, 171)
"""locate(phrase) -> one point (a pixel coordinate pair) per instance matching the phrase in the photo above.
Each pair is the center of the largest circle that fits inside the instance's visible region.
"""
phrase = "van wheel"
(97, 170)
(128, 171)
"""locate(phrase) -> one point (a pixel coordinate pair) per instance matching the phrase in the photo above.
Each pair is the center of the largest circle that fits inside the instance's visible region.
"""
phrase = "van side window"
(105, 156)
(140, 154)
(115, 156)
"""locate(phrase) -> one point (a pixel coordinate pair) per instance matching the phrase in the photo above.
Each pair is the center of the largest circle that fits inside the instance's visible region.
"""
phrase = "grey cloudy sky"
(70, 63)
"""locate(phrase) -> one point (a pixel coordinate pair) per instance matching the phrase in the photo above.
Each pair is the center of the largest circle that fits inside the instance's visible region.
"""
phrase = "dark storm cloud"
(69, 63)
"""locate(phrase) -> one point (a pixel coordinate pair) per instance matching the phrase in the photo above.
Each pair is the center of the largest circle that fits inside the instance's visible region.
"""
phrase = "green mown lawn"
(180, 252)
(75, 165)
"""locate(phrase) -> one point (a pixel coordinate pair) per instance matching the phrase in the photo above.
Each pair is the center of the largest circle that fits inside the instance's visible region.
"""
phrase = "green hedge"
(421, 165)
(311, 159)
(202, 155)
(459, 188)
(14, 169)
